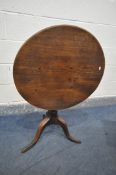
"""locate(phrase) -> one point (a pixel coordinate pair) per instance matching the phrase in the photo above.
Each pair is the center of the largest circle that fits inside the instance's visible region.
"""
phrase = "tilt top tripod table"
(57, 68)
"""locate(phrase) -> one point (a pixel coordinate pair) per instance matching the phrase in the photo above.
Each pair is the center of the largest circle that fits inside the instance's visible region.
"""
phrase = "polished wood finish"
(58, 67)
(51, 117)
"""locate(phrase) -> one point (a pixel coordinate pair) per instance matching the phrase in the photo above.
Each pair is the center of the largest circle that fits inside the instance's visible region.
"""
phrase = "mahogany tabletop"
(58, 67)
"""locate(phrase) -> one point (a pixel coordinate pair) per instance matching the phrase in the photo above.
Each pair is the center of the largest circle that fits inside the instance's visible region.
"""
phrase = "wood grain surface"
(58, 67)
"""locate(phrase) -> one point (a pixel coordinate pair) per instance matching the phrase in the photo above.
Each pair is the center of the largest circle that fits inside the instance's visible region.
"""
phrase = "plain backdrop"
(21, 19)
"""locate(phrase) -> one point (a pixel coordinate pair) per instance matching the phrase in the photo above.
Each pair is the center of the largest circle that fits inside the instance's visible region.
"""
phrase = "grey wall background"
(20, 19)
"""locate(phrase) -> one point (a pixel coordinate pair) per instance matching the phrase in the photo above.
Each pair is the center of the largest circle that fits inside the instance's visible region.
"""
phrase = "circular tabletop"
(58, 67)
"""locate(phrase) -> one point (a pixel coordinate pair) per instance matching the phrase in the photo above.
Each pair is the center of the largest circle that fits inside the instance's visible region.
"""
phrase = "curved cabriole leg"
(39, 131)
(51, 117)
(63, 124)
